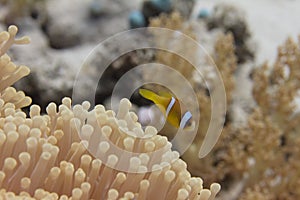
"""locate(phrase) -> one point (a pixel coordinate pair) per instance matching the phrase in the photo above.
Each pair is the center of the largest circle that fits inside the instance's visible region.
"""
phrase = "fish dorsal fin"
(165, 94)
(161, 102)
(150, 95)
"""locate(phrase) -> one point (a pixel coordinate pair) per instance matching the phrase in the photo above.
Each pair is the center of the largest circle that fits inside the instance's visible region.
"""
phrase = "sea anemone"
(70, 152)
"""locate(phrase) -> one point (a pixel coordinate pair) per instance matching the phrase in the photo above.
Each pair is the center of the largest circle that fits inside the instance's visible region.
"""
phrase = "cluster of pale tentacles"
(72, 152)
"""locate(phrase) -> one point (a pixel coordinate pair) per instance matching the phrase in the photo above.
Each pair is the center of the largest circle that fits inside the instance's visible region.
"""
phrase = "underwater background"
(71, 94)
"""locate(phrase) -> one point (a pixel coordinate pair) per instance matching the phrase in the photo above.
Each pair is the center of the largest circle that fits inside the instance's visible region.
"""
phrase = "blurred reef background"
(254, 44)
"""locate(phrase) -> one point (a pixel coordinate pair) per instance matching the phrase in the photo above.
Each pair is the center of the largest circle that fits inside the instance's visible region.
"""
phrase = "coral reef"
(216, 167)
(174, 21)
(258, 160)
(18, 9)
(57, 155)
(62, 57)
(272, 138)
(231, 19)
(153, 8)
(65, 150)
(211, 168)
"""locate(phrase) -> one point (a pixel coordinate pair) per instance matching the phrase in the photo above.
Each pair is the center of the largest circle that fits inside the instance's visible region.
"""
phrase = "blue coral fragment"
(162, 5)
(136, 19)
(203, 13)
(96, 8)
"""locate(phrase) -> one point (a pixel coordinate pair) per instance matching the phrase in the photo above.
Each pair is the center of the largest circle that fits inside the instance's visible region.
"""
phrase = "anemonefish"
(170, 107)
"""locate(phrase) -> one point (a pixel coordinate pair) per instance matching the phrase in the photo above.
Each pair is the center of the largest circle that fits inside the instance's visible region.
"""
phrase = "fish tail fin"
(148, 94)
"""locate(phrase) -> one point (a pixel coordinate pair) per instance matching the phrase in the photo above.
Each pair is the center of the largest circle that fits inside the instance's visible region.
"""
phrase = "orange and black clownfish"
(170, 107)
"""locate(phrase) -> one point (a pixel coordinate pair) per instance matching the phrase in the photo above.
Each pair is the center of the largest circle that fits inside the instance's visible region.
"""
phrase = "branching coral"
(174, 22)
(275, 88)
(226, 62)
(217, 165)
(68, 153)
(272, 139)
(261, 158)
(212, 168)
